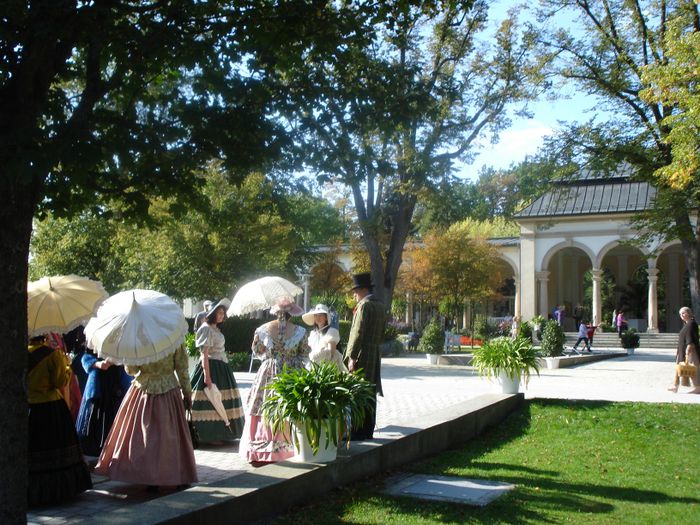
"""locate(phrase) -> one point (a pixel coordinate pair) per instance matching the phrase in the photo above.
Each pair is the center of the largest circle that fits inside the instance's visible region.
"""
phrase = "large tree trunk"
(16, 218)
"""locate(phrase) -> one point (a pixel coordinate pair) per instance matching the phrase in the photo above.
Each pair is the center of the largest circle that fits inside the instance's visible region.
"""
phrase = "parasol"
(261, 294)
(214, 395)
(136, 327)
(61, 303)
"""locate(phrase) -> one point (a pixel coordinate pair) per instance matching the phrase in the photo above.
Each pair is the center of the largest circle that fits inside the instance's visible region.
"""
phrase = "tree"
(114, 102)
(239, 233)
(400, 107)
(614, 46)
(455, 267)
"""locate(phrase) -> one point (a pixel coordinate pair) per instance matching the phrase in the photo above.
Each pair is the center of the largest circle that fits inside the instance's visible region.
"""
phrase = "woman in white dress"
(323, 339)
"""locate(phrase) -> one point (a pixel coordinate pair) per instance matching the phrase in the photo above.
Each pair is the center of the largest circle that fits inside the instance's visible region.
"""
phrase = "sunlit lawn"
(583, 462)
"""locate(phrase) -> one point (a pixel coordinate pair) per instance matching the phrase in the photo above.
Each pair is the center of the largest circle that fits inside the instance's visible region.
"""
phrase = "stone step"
(610, 339)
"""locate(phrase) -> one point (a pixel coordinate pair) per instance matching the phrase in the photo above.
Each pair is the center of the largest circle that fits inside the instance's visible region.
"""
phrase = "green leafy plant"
(629, 339)
(433, 339)
(190, 345)
(514, 357)
(318, 400)
(553, 340)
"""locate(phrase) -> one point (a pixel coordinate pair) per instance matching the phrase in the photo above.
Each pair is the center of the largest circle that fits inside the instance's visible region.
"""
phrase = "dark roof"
(592, 196)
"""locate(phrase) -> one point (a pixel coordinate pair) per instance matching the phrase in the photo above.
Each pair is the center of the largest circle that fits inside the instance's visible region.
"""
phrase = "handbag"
(194, 433)
(686, 369)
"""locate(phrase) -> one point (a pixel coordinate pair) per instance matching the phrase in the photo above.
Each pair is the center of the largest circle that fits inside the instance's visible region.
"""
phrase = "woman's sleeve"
(59, 369)
(182, 371)
(333, 334)
(203, 336)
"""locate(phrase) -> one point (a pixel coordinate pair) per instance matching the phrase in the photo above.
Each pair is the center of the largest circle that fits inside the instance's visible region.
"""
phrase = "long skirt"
(150, 442)
(97, 414)
(209, 423)
(57, 470)
(259, 444)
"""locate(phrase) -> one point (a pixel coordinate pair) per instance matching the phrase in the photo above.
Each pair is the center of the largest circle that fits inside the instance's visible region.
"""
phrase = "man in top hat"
(362, 352)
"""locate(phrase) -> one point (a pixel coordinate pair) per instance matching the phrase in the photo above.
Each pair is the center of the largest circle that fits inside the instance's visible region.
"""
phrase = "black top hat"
(362, 280)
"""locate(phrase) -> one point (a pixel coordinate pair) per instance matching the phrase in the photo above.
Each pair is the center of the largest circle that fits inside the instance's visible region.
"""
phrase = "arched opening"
(567, 268)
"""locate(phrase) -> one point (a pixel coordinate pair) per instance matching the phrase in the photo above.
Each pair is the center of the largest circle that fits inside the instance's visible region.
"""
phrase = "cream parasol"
(136, 327)
(261, 294)
(61, 303)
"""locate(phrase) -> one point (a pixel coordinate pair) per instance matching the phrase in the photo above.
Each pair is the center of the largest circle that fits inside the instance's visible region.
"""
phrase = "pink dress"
(278, 346)
(150, 443)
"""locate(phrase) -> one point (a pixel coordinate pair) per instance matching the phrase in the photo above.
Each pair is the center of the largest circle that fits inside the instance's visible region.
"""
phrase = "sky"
(526, 135)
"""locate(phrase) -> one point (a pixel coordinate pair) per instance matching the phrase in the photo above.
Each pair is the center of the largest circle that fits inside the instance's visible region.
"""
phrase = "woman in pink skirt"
(150, 441)
(278, 343)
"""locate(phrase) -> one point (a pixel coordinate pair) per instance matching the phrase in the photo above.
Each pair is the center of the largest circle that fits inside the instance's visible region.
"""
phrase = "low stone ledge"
(272, 489)
(566, 361)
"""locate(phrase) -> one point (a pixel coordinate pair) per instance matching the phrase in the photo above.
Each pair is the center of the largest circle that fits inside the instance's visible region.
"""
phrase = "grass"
(571, 462)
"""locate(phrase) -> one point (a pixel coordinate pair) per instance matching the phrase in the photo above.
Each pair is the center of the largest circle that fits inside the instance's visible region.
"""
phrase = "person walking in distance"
(362, 352)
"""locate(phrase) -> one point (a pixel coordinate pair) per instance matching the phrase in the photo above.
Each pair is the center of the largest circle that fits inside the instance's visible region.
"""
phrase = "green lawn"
(572, 462)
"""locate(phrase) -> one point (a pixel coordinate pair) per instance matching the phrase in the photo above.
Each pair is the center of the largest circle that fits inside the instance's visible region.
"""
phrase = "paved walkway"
(413, 388)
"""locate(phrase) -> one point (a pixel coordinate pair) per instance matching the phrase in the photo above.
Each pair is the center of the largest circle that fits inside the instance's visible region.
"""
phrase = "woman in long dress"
(213, 369)
(278, 343)
(323, 338)
(57, 470)
(105, 388)
(150, 441)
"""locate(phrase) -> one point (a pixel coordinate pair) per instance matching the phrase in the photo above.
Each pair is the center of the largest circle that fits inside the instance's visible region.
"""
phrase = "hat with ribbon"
(289, 306)
(308, 317)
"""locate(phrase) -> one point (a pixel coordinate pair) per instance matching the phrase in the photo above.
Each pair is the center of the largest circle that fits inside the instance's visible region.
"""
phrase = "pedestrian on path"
(688, 345)
(620, 322)
(582, 337)
(323, 339)
(363, 353)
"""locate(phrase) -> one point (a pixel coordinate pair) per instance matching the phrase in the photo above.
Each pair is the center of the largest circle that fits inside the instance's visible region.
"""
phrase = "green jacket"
(366, 334)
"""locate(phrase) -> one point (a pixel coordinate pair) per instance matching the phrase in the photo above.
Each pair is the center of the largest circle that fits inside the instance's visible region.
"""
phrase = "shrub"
(553, 339)
(629, 339)
(239, 362)
(481, 327)
(190, 345)
(344, 329)
(433, 339)
(390, 332)
(238, 332)
(525, 330)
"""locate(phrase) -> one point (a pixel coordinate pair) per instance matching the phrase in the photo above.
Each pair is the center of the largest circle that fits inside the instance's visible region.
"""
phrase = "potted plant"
(432, 342)
(537, 322)
(553, 340)
(629, 340)
(506, 360)
(318, 404)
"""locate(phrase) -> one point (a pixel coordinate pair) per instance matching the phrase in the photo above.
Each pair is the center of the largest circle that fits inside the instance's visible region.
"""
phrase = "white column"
(409, 309)
(517, 310)
(542, 280)
(305, 283)
(597, 307)
(653, 307)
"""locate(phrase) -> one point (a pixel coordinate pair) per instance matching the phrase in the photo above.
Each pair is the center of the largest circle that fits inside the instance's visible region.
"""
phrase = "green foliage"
(190, 345)
(317, 398)
(481, 328)
(239, 332)
(629, 339)
(525, 330)
(239, 361)
(514, 357)
(553, 339)
(433, 339)
(390, 332)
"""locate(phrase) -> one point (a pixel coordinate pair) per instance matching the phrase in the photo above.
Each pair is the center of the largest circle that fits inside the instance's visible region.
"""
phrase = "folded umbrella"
(214, 396)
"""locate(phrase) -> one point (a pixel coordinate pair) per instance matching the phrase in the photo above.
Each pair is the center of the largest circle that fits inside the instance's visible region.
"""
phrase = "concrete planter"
(507, 384)
(630, 351)
(552, 362)
(327, 451)
(432, 358)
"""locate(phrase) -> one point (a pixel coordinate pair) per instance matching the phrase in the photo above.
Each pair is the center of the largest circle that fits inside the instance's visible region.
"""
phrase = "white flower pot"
(432, 358)
(507, 384)
(304, 452)
(551, 362)
(630, 351)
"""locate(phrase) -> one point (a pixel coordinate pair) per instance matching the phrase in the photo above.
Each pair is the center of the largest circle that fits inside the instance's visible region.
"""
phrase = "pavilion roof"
(592, 194)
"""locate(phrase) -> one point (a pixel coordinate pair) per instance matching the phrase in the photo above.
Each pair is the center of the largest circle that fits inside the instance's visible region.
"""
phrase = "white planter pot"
(507, 384)
(432, 358)
(551, 362)
(630, 351)
(304, 452)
